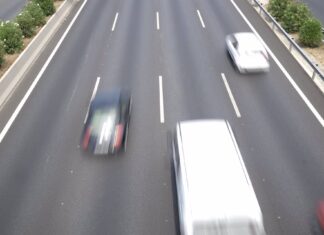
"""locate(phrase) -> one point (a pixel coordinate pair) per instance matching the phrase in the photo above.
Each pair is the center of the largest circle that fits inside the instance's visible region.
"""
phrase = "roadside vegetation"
(11, 36)
(295, 17)
(310, 33)
(17, 33)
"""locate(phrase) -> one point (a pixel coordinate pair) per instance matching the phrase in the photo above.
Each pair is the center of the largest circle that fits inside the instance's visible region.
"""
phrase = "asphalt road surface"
(10, 8)
(49, 186)
(317, 8)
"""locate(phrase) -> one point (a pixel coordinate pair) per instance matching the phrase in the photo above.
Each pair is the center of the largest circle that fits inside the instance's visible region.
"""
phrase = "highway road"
(9, 9)
(170, 51)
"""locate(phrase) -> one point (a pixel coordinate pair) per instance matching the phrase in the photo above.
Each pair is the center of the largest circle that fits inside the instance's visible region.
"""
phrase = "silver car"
(247, 52)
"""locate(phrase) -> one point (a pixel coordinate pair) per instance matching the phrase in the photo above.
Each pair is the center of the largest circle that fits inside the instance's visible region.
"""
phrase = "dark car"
(106, 127)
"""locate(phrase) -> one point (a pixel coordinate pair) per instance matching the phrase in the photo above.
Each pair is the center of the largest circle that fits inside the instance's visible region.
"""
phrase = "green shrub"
(277, 8)
(26, 23)
(311, 33)
(36, 12)
(294, 16)
(11, 36)
(47, 6)
(2, 53)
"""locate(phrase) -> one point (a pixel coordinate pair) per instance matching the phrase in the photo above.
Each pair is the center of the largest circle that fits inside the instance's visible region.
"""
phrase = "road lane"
(48, 185)
(193, 85)
(132, 62)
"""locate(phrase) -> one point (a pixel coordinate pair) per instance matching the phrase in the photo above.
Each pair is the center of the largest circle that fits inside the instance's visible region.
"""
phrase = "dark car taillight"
(86, 138)
(118, 135)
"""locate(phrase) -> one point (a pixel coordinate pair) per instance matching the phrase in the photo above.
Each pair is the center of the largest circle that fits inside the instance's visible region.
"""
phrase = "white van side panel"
(215, 184)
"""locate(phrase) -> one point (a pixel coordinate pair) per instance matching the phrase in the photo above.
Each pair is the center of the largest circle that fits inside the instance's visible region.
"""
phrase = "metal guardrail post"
(273, 25)
(291, 44)
(314, 74)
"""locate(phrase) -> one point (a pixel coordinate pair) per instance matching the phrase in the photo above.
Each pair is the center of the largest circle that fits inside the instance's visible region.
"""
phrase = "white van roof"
(219, 187)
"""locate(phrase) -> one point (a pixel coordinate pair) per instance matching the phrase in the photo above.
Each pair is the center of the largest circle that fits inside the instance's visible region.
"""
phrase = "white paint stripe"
(39, 75)
(157, 21)
(201, 20)
(30, 44)
(292, 82)
(115, 21)
(238, 114)
(161, 100)
(92, 96)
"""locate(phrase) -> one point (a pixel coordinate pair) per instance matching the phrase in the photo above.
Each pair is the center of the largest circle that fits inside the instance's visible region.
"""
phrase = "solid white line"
(238, 114)
(201, 20)
(115, 21)
(157, 21)
(39, 75)
(292, 82)
(161, 100)
(92, 96)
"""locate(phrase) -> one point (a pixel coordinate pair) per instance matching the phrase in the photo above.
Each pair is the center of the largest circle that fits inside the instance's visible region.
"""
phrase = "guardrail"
(290, 43)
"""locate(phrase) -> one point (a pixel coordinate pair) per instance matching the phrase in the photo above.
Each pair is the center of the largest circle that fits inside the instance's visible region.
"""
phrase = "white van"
(215, 194)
